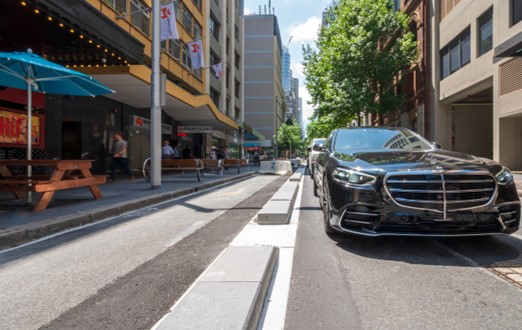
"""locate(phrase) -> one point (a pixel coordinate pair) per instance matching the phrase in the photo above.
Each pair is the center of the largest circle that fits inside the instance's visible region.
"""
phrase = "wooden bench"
(180, 165)
(232, 163)
(214, 165)
(67, 174)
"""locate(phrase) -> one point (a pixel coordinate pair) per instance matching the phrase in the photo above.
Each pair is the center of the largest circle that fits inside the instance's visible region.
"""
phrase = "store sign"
(145, 123)
(194, 129)
(13, 128)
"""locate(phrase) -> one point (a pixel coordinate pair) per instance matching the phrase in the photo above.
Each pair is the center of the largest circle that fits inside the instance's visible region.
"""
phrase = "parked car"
(312, 155)
(377, 181)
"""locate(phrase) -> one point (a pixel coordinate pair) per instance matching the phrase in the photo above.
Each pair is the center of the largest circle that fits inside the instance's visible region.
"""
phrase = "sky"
(299, 19)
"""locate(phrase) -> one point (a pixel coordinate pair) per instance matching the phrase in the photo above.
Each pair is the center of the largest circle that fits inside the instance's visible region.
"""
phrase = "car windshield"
(380, 138)
(318, 141)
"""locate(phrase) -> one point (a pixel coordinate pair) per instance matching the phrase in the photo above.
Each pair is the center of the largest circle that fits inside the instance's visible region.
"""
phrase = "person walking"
(176, 152)
(119, 157)
(166, 151)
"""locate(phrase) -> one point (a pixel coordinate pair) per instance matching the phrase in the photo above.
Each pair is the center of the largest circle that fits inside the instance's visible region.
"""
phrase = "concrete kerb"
(278, 209)
(230, 293)
(48, 227)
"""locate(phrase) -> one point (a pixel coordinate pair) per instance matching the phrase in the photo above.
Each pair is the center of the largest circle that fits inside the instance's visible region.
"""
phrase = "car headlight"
(504, 176)
(353, 177)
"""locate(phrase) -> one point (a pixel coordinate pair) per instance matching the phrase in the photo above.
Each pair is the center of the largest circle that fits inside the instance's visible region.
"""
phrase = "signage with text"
(145, 123)
(13, 129)
(194, 129)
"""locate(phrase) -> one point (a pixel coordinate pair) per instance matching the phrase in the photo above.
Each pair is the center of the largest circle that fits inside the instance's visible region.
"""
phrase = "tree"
(360, 52)
(289, 139)
(320, 127)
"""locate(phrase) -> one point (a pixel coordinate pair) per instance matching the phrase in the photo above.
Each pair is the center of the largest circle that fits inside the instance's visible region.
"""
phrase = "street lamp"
(277, 130)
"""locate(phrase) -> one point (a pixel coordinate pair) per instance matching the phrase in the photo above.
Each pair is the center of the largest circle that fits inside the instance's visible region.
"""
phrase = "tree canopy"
(289, 138)
(361, 51)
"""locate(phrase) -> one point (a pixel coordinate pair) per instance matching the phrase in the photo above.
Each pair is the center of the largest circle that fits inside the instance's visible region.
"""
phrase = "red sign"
(182, 134)
(13, 129)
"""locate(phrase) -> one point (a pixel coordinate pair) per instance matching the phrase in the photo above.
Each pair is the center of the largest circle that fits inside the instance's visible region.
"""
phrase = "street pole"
(155, 110)
(277, 131)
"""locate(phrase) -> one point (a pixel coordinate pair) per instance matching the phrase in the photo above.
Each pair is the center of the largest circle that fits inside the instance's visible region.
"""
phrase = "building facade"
(477, 70)
(286, 69)
(111, 40)
(264, 96)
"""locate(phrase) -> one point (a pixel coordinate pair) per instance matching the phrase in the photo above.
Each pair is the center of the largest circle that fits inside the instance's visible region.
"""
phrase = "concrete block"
(278, 167)
(229, 294)
(296, 176)
(287, 192)
(275, 212)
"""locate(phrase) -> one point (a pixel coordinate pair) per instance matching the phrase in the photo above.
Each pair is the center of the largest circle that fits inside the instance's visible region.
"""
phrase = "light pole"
(277, 131)
(155, 109)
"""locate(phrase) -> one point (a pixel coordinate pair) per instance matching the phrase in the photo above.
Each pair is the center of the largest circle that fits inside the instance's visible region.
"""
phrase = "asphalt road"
(347, 282)
(125, 273)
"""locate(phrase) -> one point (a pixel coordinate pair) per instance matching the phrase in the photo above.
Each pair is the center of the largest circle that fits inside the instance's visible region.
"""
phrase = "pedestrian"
(226, 153)
(213, 154)
(119, 157)
(187, 153)
(167, 152)
(176, 152)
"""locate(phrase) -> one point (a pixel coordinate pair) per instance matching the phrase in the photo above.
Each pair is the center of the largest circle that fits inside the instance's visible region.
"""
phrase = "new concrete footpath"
(76, 207)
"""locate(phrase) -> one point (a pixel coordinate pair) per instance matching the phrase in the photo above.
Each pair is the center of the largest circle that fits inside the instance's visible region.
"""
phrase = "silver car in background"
(312, 155)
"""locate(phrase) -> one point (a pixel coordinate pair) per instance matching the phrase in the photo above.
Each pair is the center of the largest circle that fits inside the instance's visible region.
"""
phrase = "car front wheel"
(326, 209)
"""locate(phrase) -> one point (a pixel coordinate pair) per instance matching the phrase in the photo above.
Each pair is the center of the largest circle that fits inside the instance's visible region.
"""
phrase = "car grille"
(441, 193)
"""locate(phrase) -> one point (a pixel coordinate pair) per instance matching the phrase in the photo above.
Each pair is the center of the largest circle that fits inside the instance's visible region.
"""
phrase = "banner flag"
(218, 70)
(168, 28)
(195, 49)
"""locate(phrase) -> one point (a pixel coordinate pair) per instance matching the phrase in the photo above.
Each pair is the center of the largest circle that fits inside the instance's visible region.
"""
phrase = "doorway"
(71, 140)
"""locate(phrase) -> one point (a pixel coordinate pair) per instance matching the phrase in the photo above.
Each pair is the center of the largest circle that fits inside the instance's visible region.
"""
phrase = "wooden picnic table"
(66, 174)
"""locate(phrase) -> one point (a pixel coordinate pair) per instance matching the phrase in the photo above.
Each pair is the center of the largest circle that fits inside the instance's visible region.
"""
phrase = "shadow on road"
(497, 250)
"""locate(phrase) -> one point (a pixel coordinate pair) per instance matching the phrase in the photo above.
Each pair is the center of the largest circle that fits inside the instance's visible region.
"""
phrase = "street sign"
(194, 129)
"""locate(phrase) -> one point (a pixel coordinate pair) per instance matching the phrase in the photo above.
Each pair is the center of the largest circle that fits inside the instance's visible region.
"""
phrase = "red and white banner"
(195, 49)
(218, 70)
(168, 28)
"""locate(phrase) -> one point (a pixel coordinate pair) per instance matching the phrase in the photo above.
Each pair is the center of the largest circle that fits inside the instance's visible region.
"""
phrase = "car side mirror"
(318, 147)
(436, 145)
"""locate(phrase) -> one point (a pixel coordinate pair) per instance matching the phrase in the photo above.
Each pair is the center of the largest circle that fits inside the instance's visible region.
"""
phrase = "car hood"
(426, 160)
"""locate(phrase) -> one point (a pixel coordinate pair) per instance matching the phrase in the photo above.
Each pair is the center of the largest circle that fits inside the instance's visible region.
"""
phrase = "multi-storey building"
(286, 69)
(477, 71)
(264, 96)
(111, 40)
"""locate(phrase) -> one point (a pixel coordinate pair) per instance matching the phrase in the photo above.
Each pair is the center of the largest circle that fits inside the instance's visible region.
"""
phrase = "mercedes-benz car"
(377, 181)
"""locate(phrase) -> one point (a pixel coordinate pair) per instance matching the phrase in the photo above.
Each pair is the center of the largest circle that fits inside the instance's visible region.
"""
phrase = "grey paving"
(229, 295)
(76, 207)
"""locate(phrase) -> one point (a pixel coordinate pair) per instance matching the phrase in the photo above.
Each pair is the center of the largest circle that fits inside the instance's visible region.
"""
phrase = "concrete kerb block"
(229, 294)
(275, 212)
(296, 177)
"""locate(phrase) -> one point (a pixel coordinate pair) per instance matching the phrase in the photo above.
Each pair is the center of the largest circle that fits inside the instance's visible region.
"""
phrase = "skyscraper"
(286, 71)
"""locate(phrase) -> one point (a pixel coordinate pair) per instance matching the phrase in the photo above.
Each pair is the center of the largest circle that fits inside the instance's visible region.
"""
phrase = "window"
(516, 11)
(455, 55)
(187, 20)
(197, 30)
(237, 86)
(214, 27)
(119, 5)
(485, 32)
(197, 3)
(236, 32)
(237, 60)
(214, 59)
(140, 16)
(186, 58)
(175, 49)
(214, 95)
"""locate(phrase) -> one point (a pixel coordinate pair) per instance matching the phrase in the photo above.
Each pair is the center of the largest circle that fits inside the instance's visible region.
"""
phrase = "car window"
(380, 138)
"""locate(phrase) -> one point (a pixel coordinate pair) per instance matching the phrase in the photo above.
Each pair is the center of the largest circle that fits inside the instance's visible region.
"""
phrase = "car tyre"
(326, 210)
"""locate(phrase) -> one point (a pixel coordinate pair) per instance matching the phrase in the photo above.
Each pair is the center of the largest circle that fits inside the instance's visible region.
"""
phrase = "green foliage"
(289, 138)
(320, 127)
(360, 52)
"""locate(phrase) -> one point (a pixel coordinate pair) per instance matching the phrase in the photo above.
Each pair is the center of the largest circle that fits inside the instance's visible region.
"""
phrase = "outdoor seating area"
(236, 163)
(64, 174)
(178, 165)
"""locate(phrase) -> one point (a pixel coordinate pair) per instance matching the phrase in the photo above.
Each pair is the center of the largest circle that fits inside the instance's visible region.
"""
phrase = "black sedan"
(376, 181)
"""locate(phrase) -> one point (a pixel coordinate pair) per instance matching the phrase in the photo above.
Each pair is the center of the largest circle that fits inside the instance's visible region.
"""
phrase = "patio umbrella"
(34, 73)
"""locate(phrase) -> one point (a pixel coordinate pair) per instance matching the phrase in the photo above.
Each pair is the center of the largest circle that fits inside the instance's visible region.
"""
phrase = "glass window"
(187, 20)
(214, 95)
(465, 48)
(214, 59)
(197, 30)
(140, 16)
(197, 3)
(454, 56)
(175, 49)
(236, 32)
(237, 86)
(237, 60)
(214, 27)
(485, 32)
(185, 57)
(379, 138)
(516, 7)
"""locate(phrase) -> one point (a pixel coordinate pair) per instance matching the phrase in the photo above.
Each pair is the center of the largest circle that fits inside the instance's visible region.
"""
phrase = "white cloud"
(297, 71)
(247, 11)
(307, 31)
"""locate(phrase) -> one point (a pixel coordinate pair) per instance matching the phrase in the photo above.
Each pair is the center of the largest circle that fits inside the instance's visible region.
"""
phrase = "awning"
(250, 132)
(132, 86)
